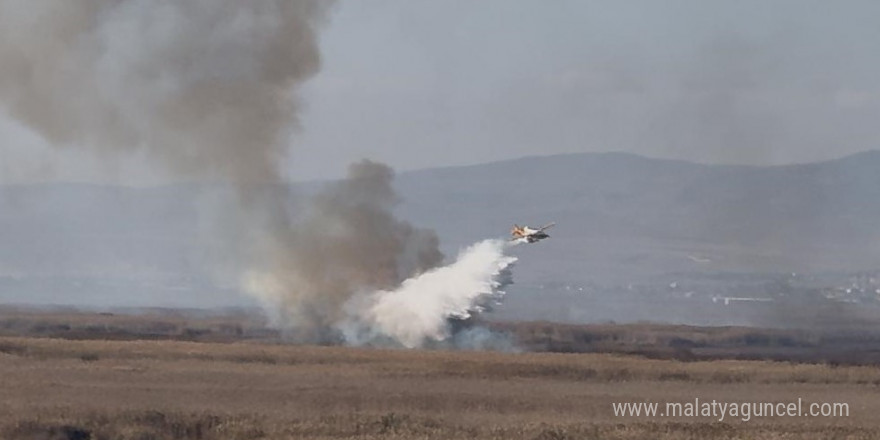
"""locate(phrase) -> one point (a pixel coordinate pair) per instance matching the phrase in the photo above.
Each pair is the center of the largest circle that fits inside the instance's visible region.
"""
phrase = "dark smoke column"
(206, 89)
(347, 243)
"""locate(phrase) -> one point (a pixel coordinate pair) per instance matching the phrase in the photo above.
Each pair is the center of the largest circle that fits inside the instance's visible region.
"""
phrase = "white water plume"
(419, 310)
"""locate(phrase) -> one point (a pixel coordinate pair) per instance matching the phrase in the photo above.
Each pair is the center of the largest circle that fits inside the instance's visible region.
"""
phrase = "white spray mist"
(419, 310)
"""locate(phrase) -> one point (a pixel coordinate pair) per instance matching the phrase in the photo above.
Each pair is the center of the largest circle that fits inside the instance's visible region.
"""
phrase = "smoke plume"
(348, 242)
(203, 87)
(350, 272)
(206, 89)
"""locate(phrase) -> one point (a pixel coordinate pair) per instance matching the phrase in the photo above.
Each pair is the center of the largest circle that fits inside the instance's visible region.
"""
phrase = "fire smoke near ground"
(207, 89)
(352, 273)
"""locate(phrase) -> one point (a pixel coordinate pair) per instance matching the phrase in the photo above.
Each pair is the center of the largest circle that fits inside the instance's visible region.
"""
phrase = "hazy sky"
(430, 83)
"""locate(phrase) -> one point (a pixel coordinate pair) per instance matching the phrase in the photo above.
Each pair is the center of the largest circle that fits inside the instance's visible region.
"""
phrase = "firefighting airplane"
(528, 234)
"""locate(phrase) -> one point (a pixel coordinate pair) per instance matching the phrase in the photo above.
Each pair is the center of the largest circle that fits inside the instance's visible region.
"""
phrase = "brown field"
(257, 387)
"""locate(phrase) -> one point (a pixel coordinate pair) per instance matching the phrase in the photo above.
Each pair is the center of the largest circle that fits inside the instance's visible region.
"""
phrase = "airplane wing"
(547, 226)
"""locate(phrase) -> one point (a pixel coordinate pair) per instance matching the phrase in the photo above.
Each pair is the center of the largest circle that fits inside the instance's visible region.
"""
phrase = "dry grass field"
(165, 374)
(170, 389)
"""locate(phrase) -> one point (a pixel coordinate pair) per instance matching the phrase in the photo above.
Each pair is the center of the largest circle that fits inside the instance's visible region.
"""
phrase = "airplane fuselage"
(530, 235)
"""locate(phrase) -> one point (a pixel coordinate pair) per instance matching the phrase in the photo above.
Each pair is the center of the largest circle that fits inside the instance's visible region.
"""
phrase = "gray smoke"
(349, 242)
(203, 87)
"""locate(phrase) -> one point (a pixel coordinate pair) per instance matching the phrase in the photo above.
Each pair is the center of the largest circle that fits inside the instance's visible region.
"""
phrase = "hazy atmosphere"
(334, 163)
(420, 84)
(397, 219)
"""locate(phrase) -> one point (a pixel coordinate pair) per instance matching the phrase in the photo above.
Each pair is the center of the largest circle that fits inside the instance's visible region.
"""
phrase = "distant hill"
(621, 215)
(621, 218)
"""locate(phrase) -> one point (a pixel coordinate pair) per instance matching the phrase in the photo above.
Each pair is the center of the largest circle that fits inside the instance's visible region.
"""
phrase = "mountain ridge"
(621, 218)
(872, 154)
